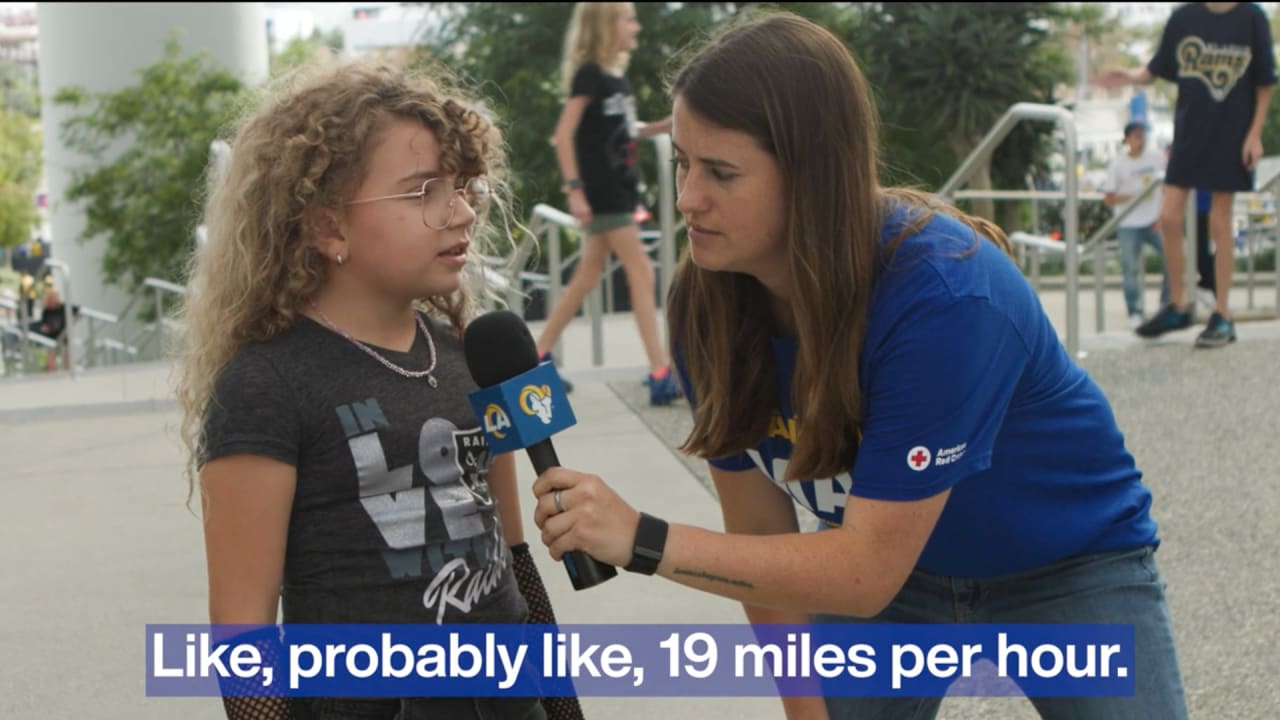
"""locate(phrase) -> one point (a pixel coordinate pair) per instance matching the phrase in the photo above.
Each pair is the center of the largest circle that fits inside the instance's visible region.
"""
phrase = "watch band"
(651, 541)
(573, 184)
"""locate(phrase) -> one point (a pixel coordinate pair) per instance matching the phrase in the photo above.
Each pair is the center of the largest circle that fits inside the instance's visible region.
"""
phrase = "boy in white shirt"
(1128, 176)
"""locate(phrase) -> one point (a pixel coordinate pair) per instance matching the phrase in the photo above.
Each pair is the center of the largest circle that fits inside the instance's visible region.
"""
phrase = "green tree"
(20, 167)
(320, 47)
(149, 145)
(18, 91)
(944, 73)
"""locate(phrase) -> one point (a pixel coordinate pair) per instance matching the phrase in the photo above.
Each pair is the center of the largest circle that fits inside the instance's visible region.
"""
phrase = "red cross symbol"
(918, 458)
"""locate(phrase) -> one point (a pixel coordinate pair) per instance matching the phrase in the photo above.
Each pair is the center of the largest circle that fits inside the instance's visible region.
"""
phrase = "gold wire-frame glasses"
(438, 199)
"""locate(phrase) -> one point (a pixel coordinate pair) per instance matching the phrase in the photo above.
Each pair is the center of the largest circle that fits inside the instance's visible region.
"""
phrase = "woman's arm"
(247, 500)
(566, 127)
(753, 505)
(855, 569)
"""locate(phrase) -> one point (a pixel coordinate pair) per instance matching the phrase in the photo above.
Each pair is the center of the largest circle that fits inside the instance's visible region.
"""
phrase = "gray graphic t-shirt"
(392, 519)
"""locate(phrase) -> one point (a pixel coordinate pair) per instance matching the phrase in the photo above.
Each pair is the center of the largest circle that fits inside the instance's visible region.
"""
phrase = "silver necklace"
(431, 379)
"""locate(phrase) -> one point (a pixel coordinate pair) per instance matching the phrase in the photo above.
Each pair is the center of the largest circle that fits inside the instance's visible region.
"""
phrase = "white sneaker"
(1134, 321)
(1206, 299)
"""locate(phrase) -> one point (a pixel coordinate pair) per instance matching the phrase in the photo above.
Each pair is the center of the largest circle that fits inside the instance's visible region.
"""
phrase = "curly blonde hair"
(306, 145)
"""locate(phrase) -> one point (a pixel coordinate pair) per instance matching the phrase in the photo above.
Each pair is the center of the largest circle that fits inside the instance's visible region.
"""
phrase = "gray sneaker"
(1220, 331)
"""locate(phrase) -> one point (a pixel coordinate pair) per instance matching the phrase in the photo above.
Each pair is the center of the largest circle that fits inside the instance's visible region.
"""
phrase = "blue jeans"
(1121, 588)
(1130, 240)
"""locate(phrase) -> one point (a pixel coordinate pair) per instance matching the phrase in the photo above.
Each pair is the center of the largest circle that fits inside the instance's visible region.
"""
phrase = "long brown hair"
(795, 88)
(305, 145)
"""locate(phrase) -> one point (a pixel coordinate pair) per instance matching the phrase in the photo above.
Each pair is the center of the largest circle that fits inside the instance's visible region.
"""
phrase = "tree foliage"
(319, 48)
(945, 72)
(20, 167)
(149, 147)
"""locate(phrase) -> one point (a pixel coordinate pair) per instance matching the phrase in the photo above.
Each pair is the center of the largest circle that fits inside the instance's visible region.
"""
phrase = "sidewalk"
(101, 542)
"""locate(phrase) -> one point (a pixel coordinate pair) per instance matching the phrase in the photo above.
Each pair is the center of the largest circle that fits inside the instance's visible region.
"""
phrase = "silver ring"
(556, 498)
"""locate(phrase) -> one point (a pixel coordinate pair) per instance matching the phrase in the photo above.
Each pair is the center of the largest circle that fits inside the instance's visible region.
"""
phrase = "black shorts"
(1216, 167)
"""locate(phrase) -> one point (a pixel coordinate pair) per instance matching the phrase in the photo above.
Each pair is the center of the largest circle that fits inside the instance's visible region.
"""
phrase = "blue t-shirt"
(966, 386)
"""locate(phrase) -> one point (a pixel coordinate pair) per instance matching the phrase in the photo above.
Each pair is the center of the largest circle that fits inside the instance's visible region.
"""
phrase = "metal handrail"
(1272, 186)
(160, 288)
(1071, 213)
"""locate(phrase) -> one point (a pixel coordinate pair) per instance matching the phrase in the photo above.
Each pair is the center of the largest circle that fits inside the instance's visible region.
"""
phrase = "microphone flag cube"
(523, 410)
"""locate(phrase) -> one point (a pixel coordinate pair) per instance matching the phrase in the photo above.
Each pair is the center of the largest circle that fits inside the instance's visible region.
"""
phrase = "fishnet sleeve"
(247, 698)
(540, 613)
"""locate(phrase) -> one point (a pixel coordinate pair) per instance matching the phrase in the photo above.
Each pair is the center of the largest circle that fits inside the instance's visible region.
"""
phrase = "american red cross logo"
(918, 458)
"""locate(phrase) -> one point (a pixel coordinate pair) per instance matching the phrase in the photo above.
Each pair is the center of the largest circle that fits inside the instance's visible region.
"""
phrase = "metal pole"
(553, 277)
(1099, 287)
(1190, 243)
(597, 328)
(1250, 247)
(666, 218)
(24, 327)
(1071, 231)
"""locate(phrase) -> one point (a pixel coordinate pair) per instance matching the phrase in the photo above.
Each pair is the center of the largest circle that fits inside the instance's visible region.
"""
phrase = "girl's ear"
(323, 230)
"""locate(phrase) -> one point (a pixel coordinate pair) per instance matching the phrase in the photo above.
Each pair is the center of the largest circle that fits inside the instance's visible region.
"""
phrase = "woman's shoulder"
(916, 227)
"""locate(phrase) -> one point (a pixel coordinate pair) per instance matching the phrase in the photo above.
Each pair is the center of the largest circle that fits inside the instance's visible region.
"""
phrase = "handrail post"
(1099, 287)
(1071, 230)
(597, 327)
(1251, 248)
(666, 217)
(1190, 248)
(552, 239)
(1071, 221)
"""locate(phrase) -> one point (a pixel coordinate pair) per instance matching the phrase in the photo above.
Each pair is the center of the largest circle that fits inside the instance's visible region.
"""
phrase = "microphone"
(522, 403)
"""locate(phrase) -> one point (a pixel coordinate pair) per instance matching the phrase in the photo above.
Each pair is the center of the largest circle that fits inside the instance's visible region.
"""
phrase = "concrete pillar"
(100, 47)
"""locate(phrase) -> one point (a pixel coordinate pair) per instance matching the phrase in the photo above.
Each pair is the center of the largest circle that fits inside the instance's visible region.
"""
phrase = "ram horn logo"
(536, 400)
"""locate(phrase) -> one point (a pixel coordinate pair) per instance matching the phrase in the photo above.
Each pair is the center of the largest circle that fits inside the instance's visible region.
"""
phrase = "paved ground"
(99, 541)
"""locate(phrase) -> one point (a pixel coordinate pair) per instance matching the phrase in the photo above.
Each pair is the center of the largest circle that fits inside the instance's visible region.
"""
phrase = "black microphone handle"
(584, 570)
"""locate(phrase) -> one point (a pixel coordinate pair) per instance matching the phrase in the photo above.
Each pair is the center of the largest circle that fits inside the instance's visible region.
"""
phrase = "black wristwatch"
(651, 540)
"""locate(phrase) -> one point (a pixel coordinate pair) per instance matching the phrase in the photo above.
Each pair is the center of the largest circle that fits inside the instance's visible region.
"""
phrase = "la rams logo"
(536, 400)
(1217, 66)
(496, 421)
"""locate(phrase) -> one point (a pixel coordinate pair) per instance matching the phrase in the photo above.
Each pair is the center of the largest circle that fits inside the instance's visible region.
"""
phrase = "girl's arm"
(657, 127)
(566, 127)
(247, 501)
(502, 485)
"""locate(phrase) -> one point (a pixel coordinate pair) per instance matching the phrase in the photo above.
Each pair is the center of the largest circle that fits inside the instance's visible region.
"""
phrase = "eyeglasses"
(439, 197)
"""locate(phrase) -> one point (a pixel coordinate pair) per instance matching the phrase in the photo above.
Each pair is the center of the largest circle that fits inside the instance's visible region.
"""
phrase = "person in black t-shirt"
(323, 385)
(595, 141)
(1220, 55)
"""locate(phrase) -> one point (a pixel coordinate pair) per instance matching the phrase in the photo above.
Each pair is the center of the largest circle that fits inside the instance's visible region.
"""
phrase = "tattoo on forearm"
(714, 578)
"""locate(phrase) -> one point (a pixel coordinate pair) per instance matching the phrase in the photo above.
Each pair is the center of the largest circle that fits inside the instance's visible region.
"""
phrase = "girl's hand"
(579, 208)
